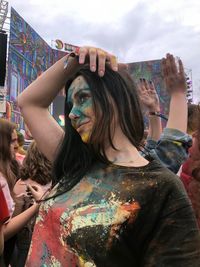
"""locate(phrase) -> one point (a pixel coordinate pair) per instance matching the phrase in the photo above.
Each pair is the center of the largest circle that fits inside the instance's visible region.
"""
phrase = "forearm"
(18, 222)
(35, 100)
(178, 112)
(44, 89)
(155, 127)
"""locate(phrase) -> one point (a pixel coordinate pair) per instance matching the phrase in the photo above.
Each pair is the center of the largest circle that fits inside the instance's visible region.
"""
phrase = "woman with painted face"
(109, 205)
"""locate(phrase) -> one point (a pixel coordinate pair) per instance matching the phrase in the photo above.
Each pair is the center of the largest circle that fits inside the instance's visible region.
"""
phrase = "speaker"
(3, 50)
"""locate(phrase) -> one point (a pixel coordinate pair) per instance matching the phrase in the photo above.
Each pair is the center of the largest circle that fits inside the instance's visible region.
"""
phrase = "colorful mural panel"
(29, 55)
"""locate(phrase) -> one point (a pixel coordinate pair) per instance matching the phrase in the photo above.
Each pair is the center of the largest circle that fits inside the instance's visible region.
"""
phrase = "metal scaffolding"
(3, 13)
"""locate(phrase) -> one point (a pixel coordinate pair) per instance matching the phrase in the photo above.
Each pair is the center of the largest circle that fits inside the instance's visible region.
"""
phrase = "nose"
(73, 115)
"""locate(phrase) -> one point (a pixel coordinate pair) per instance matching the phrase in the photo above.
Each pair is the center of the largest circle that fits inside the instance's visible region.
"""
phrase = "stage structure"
(3, 53)
(3, 13)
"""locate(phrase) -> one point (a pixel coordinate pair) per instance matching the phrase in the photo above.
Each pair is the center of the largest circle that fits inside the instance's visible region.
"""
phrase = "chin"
(85, 137)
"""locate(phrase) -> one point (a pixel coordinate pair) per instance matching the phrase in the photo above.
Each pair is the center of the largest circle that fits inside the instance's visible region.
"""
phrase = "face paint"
(82, 114)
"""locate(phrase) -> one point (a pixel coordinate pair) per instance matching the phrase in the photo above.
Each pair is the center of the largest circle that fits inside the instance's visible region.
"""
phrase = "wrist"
(158, 114)
(154, 112)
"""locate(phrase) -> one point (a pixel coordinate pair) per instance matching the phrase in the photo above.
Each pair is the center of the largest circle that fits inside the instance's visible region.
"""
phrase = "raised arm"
(150, 101)
(172, 148)
(175, 82)
(35, 100)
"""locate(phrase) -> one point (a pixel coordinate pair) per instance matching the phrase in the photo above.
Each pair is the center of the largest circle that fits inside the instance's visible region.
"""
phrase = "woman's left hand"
(97, 58)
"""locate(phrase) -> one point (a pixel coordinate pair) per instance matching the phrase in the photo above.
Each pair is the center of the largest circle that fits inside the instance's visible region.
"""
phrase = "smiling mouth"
(78, 127)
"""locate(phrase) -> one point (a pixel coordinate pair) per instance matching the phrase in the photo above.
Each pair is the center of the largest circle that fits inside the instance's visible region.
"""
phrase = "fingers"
(97, 59)
(152, 87)
(145, 85)
(93, 59)
(169, 65)
(113, 62)
(33, 188)
(83, 51)
(181, 68)
(101, 62)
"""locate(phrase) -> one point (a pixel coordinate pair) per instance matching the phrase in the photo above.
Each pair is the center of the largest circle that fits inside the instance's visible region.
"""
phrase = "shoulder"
(165, 179)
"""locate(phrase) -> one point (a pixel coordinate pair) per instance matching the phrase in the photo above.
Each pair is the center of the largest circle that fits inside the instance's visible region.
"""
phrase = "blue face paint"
(82, 113)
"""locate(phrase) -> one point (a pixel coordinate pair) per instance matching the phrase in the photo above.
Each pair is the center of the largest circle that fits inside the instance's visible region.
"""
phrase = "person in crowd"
(4, 216)
(169, 145)
(193, 118)
(9, 171)
(36, 170)
(21, 143)
(9, 228)
(8, 143)
(20, 153)
(110, 206)
(190, 170)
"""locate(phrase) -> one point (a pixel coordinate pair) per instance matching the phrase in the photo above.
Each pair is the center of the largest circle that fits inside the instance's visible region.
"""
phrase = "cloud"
(144, 30)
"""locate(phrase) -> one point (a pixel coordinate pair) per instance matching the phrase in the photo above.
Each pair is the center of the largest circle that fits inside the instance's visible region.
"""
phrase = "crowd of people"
(101, 192)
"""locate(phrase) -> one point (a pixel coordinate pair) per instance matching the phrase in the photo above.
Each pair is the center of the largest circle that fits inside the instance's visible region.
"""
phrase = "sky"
(134, 31)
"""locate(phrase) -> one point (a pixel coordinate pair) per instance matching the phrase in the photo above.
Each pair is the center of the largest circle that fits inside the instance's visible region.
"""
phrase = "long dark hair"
(8, 165)
(113, 93)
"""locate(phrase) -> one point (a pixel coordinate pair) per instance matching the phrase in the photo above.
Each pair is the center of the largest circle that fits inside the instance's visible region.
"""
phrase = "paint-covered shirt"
(118, 216)
(172, 148)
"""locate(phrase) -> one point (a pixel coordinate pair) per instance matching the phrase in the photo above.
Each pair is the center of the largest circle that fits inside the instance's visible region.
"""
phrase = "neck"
(126, 154)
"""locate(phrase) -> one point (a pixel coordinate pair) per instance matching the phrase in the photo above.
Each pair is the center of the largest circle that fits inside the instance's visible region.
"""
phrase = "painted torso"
(100, 222)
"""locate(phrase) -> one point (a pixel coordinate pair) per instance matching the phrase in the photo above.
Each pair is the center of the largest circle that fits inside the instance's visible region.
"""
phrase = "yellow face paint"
(85, 137)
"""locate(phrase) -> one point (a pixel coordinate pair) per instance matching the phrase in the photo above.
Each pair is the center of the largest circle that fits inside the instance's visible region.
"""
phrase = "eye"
(83, 97)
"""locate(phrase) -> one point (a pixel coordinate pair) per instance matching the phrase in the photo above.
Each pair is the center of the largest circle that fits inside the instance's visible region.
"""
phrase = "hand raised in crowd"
(96, 57)
(173, 74)
(148, 95)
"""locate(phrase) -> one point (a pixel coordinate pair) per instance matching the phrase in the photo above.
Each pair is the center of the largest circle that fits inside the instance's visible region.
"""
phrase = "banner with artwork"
(29, 55)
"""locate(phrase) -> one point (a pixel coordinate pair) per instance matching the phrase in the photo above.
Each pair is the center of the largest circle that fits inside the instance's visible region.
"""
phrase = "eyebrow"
(77, 93)
(81, 90)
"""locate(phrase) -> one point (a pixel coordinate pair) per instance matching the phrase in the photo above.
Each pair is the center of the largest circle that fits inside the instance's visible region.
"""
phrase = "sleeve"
(172, 148)
(176, 238)
(4, 212)
(8, 197)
